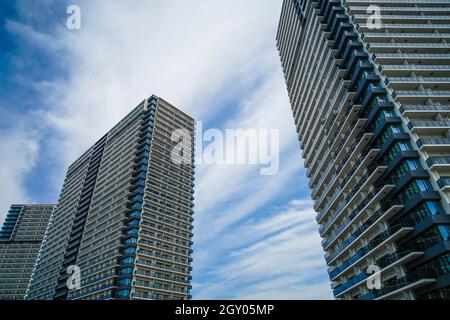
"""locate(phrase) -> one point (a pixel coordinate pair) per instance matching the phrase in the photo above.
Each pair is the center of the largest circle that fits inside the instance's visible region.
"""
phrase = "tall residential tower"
(20, 240)
(124, 216)
(369, 85)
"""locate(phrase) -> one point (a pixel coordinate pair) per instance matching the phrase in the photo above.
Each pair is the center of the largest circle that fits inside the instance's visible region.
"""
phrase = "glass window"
(130, 250)
(405, 146)
(445, 232)
(133, 231)
(131, 240)
(433, 207)
(127, 271)
(124, 282)
(414, 165)
(128, 260)
(123, 293)
(423, 185)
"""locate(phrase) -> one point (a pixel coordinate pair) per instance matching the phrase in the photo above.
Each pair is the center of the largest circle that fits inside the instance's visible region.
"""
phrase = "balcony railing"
(444, 182)
(428, 123)
(374, 243)
(439, 141)
(431, 161)
(397, 284)
(383, 263)
(419, 107)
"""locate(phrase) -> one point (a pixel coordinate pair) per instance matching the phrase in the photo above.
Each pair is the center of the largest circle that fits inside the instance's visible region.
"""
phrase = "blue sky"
(61, 89)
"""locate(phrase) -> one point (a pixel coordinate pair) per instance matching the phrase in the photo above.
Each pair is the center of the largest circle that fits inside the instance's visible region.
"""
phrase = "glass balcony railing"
(426, 92)
(383, 263)
(395, 284)
(430, 141)
(431, 161)
(428, 123)
(365, 226)
(419, 107)
(417, 79)
(375, 242)
(444, 182)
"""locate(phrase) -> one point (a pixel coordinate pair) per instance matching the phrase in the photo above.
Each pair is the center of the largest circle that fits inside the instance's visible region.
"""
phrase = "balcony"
(417, 110)
(371, 199)
(444, 183)
(429, 126)
(411, 83)
(412, 58)
(403, 18)
(340, 152)
(352, 198)
(434, 144)
(386, 263)
(360, 164)
(439, 163)
(429, 70)
(369, 225)
(421, 96)
(398, 37)
(397, 286)
(390, 235)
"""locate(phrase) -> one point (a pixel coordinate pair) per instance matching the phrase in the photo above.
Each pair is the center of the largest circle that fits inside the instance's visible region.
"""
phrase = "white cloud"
(18, 151)
(272, 260)
(217, 61)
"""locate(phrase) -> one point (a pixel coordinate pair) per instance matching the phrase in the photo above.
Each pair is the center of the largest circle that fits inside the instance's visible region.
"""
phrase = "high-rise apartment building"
(125, 213)
(20, 240)
(369, 85)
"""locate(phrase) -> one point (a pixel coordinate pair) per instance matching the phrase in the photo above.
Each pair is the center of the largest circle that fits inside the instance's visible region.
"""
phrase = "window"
(133, 231)
(134, 222)
(124, 282)
(131, 241)
(128, 260)
(433, 207)
(127, 271)
(414, 165)
(444, 232)
(405, 146)
(424, 185)
(130, 250)
(123, 293)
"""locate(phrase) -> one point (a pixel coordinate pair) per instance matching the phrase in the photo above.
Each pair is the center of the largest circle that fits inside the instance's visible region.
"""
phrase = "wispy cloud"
(274, 257)
(217, 61)
(19, 151)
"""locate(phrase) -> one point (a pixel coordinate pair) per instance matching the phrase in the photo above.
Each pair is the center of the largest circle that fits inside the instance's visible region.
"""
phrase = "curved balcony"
(421, 96)
(444, 183)
(360, 164)
(386, 263)
(397, 286)
(412, 58)
(370, 200)
(340, 150)
(390, 235)
(352, 198)
(357, 170)
(344, 117)
(419, 70)
(434, 144)
(429, 126)
(417, 110)
(369, 225)
(439, 162)
(411, 83)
